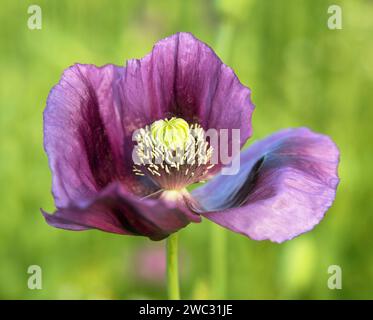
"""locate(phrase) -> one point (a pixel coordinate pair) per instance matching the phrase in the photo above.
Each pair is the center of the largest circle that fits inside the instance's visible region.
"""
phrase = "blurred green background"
(301, 74)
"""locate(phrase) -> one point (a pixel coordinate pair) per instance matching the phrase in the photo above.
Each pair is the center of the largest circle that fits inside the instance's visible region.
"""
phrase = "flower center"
(172, 153)
(172, 134)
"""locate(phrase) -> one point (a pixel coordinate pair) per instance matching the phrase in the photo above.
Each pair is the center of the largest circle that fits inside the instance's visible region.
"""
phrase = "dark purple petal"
(285, 185)
(183, 77)
(84, 136)
(117, 211)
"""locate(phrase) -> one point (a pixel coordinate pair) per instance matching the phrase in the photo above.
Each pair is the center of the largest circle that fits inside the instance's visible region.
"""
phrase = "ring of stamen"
(172, 153)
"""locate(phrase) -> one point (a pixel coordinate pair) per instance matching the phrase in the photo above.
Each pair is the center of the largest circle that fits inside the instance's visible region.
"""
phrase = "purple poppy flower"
(283, 187)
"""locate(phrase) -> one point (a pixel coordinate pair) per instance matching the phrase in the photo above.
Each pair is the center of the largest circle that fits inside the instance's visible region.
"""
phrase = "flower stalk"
(172, 267)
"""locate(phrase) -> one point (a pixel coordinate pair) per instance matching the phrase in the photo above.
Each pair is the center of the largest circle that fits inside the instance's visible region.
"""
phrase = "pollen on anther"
(172, 161)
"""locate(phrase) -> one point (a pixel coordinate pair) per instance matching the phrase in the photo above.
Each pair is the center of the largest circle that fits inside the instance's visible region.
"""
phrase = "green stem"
(218, 251)
(172, 267)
